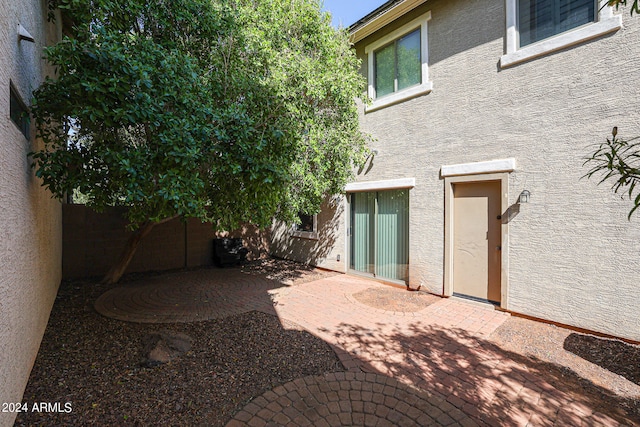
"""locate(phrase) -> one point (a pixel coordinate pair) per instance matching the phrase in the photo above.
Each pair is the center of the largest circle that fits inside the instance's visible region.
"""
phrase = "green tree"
(227, 111)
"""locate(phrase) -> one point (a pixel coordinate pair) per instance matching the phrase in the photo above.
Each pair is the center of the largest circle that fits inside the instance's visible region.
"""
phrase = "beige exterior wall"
(30, 221)
(571, 253)
(327, 250)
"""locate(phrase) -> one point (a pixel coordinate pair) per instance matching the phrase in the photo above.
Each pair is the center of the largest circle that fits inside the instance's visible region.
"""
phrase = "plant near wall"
(617, 159)
(635, 7)
(227, 111)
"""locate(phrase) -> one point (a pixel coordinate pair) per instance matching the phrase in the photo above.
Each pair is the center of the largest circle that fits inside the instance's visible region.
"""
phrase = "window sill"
(305, 234)
(400, 96)
(562, 41)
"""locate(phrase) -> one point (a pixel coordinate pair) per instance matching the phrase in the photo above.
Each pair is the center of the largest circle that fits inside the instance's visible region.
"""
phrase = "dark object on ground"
(229, 251)
(164, 346)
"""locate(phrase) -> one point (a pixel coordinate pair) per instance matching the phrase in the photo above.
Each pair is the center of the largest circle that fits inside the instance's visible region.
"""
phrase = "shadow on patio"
(471, 373)
(95, 362)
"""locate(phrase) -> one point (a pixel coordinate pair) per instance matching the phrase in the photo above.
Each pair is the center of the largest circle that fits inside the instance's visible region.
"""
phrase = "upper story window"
(538, 27)
(398, 64)
(541, 19)
(18, 111)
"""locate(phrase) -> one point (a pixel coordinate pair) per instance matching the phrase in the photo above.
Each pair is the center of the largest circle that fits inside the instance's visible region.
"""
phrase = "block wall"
(93, 241)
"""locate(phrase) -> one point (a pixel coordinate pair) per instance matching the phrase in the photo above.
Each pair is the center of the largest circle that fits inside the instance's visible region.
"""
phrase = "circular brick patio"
(189, 296)
(347, 398)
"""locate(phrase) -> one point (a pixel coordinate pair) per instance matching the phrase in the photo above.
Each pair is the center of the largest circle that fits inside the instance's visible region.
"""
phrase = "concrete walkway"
(430, 367)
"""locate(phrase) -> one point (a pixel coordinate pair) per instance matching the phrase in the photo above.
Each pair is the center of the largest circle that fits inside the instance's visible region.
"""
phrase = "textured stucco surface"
(30, 221)
(328, 250)
(572, 253)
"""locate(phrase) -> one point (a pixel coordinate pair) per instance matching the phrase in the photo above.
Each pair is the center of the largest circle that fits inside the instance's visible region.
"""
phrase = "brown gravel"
(286, 272)
(95, 363)
(608, 369)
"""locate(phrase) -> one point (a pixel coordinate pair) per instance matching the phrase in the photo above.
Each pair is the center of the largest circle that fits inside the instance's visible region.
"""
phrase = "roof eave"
(380, 17)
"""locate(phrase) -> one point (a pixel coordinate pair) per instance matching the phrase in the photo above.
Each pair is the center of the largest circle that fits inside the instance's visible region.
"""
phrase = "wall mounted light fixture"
(23, 34)
(524, 196)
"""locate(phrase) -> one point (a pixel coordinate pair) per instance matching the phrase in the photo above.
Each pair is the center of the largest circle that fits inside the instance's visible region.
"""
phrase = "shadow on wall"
(613, 355)
(485, 381)
(254, 239)
(92, 242)
(312, 251)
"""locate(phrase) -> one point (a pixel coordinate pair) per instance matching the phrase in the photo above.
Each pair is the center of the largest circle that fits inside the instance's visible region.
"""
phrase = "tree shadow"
(613, 355)
(204, 293)
(473, 374)
(96, 365)
(316, 250)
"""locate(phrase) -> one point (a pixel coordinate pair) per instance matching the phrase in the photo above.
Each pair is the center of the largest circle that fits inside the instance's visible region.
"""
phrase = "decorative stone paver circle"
(347, 398)
(187, 297)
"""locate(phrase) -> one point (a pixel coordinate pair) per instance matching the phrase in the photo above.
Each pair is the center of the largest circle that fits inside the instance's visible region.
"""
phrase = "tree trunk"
(117, 270)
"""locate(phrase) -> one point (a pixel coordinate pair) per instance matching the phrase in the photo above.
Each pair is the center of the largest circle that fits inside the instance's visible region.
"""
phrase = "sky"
(346, 12)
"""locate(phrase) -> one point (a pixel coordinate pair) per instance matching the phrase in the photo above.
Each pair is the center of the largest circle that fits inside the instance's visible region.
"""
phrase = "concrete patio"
(434, 366)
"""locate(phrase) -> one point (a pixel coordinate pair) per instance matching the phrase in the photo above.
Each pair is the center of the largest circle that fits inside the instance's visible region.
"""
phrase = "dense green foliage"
(228, 111)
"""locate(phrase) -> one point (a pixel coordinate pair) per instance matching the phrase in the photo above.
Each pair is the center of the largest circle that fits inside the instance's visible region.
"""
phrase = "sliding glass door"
(380, 233)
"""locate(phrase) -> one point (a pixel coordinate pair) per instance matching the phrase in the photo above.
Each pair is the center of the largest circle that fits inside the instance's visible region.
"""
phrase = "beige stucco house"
(482, 115)
(30, 221)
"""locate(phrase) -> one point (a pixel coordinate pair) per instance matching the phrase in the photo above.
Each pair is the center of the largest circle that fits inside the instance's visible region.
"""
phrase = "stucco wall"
(573, 256)
(30, 221)
(572, 253)
(93, 241)
(328, 250)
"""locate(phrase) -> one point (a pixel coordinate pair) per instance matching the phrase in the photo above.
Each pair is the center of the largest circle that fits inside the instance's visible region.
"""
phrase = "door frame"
(503, 179)
(350, 232)
(375, 186)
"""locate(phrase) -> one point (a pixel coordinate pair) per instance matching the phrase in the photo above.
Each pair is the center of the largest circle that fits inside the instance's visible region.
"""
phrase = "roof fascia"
(394, 12)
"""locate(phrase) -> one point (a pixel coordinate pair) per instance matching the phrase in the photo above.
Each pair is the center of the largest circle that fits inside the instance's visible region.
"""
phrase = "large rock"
(163, 346)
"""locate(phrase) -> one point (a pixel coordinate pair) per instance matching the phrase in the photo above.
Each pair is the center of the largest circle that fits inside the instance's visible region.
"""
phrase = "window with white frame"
(538, 27)
(398, 64)
(308, 226)
(18, 111)
(541, 19)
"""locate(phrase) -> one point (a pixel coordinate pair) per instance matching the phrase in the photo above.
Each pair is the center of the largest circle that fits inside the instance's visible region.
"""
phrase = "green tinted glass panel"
(380, 233)
(392, 245)
(409, 62)
(18, 112)
(385, 70)
(362, 231)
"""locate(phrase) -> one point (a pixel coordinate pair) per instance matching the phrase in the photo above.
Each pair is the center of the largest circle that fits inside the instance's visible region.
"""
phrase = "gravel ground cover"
(605, 368)
(394, 299)
(97, 364)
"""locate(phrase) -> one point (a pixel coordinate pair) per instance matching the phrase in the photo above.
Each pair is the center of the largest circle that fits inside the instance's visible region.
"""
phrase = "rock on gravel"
(93, 363)
(163, 346)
